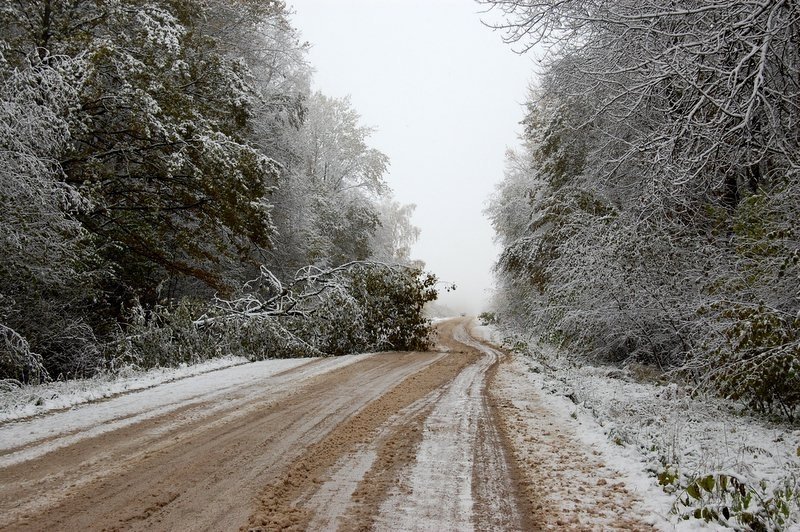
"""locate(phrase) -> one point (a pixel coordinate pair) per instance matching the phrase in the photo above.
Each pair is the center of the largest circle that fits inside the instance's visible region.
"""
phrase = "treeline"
(167, 179)
(653, 212)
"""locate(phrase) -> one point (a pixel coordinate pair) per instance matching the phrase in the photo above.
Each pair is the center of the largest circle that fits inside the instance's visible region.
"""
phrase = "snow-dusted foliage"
(652, 214)
(393, 239)
(355, 307)
(46, 272)
(330, 208)
(155, 156)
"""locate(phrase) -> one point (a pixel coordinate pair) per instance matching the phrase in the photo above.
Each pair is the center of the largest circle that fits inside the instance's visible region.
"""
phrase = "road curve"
(389, 441)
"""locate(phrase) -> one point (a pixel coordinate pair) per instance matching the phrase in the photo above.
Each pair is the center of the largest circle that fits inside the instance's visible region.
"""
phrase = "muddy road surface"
(389, 441)
(451, 439)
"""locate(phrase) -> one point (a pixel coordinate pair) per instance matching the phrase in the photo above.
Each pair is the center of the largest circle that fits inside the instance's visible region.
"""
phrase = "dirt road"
(390, 441)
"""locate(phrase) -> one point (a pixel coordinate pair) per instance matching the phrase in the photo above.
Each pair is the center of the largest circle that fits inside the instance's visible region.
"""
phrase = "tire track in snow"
(388, 441)
(460, 479)
(197, 466)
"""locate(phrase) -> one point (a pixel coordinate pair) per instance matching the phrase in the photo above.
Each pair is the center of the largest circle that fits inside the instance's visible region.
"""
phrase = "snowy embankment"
(153, 393)
(24, 439)
(690, 456)
(30, 400)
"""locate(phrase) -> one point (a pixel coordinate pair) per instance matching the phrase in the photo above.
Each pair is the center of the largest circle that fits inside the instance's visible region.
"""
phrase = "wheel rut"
(390, 441)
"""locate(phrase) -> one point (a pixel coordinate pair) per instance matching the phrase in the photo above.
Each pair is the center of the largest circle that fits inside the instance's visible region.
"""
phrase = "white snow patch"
(437, 488)
(35, 399)
(26, 439)
(641, 427)
(439, 484)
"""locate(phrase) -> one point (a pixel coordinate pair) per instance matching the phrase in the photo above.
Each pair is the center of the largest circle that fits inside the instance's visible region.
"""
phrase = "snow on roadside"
(31, 400)
(26, 439)
(648, 429)
(575, 478)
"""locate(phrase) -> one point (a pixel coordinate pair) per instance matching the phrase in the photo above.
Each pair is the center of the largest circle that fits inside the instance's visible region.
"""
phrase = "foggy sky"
(445, 95)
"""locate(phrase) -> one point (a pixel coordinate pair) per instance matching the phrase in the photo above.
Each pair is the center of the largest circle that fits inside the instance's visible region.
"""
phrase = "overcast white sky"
(445, 95)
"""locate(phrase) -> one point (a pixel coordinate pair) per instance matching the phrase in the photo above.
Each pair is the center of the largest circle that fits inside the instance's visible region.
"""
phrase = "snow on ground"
(27, 438)
(459, 478)
(30, 400)
(439, 486)
(575, 478)
(644, 430)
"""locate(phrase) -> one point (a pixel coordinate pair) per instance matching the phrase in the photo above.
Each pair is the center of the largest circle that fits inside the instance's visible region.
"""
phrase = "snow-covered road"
(443, 440)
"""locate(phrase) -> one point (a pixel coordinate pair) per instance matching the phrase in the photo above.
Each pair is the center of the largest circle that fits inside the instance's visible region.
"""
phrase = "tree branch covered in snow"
(157, 153)
(651, 215)
(356, 307)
